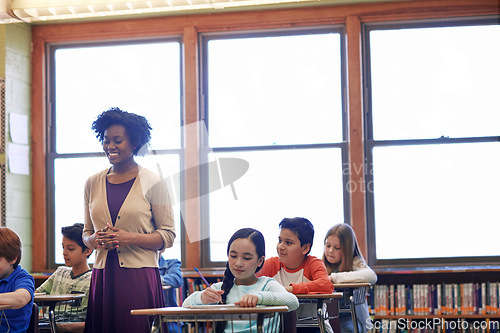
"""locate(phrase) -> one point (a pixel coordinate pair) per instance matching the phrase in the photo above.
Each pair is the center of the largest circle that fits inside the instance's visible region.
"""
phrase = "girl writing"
(240, 286)
(345, 264)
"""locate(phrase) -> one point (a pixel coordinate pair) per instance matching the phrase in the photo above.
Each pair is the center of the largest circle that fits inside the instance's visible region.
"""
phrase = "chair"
(33, 326)
(59, 309)
(313, 310)
(354, 294)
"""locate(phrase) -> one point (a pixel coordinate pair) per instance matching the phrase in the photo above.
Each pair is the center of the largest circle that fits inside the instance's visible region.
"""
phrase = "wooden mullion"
(192, 214)
(38, 157)
(356, 130)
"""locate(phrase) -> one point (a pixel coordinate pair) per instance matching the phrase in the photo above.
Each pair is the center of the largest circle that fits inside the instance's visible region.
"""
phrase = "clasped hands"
(110, 238)
(210, 295)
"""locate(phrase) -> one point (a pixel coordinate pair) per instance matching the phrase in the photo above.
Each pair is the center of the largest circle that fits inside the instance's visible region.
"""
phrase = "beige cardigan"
(146, 209)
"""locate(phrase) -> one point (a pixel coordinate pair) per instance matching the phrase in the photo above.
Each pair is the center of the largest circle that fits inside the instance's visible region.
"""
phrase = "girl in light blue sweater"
(246, 255)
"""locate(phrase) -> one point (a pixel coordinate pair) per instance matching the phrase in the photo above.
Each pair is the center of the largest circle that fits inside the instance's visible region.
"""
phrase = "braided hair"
(227, 283)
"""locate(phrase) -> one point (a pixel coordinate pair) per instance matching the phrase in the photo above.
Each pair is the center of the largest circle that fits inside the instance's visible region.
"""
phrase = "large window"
(432, 141)
(143, 78)
(274, 103)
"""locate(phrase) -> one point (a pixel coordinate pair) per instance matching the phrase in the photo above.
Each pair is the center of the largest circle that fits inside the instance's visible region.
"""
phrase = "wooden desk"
(51, 301)
(320, 300)
(213, 313)
(348, 291)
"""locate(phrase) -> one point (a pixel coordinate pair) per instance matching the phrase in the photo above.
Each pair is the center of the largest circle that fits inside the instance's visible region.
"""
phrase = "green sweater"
(62, 281)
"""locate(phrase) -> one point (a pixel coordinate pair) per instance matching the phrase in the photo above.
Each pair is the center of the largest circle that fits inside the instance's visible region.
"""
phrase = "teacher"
(128, 221)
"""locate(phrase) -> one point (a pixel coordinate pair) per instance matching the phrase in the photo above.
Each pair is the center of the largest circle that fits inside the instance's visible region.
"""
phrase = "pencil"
(199, 273)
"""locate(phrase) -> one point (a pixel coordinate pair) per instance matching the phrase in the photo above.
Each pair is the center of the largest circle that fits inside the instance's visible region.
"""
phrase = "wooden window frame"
(371, 144)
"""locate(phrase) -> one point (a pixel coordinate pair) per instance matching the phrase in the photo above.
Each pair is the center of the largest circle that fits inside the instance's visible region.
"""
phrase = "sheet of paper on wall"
(18, 158)
(18, 128)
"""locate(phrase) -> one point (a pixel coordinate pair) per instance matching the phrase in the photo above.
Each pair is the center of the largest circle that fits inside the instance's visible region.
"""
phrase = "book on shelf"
(193, 284)
(435, 299)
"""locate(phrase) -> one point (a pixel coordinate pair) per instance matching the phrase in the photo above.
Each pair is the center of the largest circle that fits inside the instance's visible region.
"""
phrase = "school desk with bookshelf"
(436, 299)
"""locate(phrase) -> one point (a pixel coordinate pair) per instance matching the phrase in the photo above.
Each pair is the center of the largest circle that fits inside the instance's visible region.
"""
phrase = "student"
(294, 268)
(240, 286)
(16, 285)
(72, 278)
(345, 264)
(171, 275)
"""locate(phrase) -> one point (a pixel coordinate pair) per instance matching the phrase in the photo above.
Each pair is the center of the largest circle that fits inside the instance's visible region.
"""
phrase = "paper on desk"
(221, 306)
(212, 306)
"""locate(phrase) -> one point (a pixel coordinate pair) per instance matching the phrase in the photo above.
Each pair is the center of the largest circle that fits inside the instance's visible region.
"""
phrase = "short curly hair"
(136, 126)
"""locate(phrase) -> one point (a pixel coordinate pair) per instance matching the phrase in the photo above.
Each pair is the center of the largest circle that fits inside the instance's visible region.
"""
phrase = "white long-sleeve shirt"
(360, 273)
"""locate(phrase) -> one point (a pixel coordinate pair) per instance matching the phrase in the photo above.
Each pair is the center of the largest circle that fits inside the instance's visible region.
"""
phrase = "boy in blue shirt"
(171, 275)
(17, 287)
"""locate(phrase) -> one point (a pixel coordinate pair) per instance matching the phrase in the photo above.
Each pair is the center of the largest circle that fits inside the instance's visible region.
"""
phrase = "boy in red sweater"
(297, 271)
(294, 268)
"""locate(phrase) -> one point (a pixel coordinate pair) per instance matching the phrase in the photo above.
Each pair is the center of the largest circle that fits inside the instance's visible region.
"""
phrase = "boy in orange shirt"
(297, 271)
(294, 268)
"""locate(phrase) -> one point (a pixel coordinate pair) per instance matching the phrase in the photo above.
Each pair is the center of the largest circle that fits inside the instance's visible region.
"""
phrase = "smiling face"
(117, 145)
(333, 251)
(290, 252)
(243, 261)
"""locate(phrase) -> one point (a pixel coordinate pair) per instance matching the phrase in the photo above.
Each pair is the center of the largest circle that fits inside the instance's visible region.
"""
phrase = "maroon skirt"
(115, 290)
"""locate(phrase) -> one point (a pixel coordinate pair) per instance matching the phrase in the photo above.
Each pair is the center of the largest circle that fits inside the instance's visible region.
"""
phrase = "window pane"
(275, 90)
(141, 78)
(70, 175)
(69, 202)
(433, 82)
(278, 184)
(436, 200)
